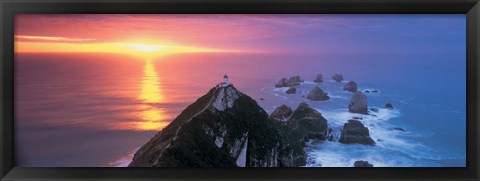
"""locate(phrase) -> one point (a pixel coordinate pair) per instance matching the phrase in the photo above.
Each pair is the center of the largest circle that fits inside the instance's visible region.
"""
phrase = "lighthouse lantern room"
(225, 81)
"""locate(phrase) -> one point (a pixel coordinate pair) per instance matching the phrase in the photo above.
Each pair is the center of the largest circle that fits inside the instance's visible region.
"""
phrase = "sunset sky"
(157, 34)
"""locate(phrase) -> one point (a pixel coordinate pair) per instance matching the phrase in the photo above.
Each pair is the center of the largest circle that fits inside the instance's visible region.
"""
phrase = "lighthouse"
(225, 81)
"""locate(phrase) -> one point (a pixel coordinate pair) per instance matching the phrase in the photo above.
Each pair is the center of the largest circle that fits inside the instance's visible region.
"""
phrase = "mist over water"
(97, 109)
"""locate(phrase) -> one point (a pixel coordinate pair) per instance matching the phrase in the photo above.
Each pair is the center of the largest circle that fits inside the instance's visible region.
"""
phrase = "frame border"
(9, 8)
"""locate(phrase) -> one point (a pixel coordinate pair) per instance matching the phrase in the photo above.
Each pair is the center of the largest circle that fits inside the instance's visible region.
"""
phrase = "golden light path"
(152, 117)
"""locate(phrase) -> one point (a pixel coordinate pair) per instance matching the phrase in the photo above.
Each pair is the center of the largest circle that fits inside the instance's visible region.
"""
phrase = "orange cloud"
(49, 38)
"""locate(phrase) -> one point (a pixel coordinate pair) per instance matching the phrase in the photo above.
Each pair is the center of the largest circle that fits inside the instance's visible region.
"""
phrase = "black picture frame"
(8, 9)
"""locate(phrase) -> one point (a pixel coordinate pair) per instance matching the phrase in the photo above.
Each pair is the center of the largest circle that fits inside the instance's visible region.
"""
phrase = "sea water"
(96, 109)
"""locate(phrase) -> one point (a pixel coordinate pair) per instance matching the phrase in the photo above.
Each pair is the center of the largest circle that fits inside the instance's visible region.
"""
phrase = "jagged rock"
(358, 103)
(389, 106)
(318, 79)
(362, 163)
(281, 113)
(370, 91)
(337, 77)
(292, 90)
(350, 86)
(317, 94)
(294, 81)
(355, 132)
(281, 83)
(330, 138)
(330, 130)
(306, 120)
(374, 109)
(223, 128)
(329, 134)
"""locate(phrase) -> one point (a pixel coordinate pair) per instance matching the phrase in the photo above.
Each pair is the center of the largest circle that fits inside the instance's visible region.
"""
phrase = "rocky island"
(317, 94)
(291, 90)
(337, 77)
(355, 132)
(351, 86)
(358, 103)
(318, 79)
(362, 163)
(292, 81)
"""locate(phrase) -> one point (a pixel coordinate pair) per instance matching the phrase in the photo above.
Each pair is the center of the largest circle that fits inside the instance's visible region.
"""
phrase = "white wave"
(341, 116)
(386, 140)
(337, 96)
(333, 154)
(343, 81)
(406, 101)
(275, 91)
(124, 160)
(280, 89)
(392, 149)
(310, 82)
(379, 160)
(384, 114)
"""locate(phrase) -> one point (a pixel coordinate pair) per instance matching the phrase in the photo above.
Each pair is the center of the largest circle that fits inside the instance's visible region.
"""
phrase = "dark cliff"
(223, 128)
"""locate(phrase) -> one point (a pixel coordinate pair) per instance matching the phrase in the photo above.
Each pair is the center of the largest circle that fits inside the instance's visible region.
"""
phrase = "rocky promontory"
(223, 128)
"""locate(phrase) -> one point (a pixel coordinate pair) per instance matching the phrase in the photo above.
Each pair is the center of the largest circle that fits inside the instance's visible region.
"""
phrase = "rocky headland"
(223, 128)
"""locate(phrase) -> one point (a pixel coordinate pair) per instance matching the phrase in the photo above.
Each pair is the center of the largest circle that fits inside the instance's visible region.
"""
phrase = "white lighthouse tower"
(225, 81)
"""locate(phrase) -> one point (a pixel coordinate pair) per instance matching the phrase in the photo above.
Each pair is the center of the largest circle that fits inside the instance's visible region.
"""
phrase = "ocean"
(95, 110)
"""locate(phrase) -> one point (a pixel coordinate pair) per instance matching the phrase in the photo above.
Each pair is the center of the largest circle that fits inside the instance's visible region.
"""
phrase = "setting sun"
(146, 48)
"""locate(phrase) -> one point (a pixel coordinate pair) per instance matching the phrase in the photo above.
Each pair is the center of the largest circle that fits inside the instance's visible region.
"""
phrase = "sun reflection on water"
(150, 89)
(151, 116)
